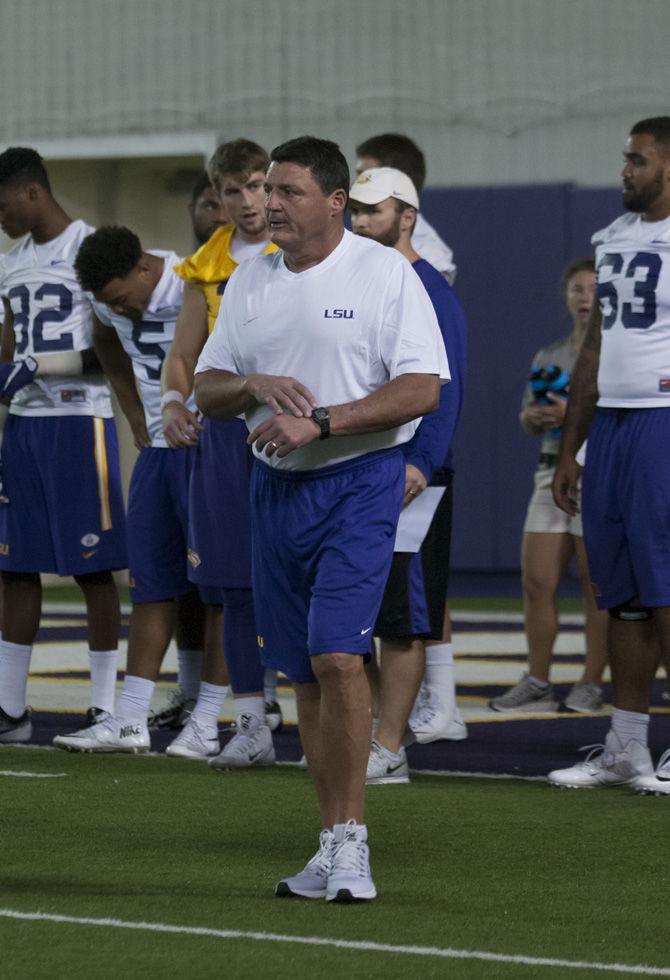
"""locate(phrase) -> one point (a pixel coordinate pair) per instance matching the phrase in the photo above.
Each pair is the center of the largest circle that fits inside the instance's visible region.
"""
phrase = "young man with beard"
(332, 350)
(620, 397)
(384, 205)
(219, 522)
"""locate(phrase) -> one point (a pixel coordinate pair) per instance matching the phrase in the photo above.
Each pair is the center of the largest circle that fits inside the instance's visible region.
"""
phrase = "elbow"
(202, 391)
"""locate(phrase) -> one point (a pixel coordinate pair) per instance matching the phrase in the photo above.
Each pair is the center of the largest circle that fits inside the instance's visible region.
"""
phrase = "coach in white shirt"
(332, 350)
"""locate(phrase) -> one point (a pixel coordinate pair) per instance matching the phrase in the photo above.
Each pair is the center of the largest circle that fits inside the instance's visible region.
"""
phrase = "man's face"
(18, 208)
(644, 175)
(128, 295)
(296, 208)
(207, 214)
(242, 197)
(579, 292)
(381, 222)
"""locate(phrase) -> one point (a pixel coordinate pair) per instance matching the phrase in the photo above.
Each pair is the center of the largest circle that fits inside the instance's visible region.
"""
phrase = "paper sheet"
(415, 520)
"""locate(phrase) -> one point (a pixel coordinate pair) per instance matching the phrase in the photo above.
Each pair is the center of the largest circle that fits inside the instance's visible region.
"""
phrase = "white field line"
(32, 775)
(271, 937)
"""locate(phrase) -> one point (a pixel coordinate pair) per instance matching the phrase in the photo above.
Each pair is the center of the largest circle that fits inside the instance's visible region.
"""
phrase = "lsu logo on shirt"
(338, 314)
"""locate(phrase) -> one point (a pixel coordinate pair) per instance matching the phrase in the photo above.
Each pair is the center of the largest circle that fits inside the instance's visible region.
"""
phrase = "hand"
(282, 434)
(180, 426)
(565, 485)
(543, 417)
(138, 427)
(415, 483)
(281, 393)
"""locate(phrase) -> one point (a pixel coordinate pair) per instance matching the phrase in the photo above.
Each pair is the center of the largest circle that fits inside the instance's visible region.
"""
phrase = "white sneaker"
(175, 714)
(15, 729)
(584, 698)
(659, 782)
(611, 764)
(110, 734)
(250, 746)
(195, 741)
(385, 766)
(350, 878)
(273, 716)
(430, 721)
(312, 880)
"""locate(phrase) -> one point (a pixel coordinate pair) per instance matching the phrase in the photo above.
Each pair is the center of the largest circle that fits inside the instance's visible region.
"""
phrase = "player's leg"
(23, 602)
(104, 621)
(437, 715)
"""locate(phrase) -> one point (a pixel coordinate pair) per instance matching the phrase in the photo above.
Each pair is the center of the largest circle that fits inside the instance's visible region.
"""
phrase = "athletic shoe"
(611, 764)
(110, 734)
(93, 716)
(175, 714)
(312, 880)
(527, 697)
(430, 721)
(15, 729)
(659, 782)
(350, 879)
(273, 716)
(195, 741)
(584, 698)
(250, 746)
(385, 766)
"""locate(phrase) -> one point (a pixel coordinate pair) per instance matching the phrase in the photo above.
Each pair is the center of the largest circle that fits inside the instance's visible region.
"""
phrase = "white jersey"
(52, 314)
(428, 244)
(633, 270)
(343, 328)
(148, 340)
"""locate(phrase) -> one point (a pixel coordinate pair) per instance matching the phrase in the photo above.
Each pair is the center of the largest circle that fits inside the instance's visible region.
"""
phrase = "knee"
(536, 587)
(337, 668)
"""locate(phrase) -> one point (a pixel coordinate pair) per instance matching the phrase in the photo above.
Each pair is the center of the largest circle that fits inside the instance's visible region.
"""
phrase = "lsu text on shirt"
(52, 314)
(633, 273)
(343, 328)
(148, 340)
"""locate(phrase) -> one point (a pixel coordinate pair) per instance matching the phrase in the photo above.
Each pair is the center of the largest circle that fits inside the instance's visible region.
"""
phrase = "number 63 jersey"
(52, 314)
(633, 283)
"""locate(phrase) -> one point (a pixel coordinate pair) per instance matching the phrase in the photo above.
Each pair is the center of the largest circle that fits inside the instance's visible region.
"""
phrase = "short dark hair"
(323, 157)
(656, 126)
(20, 164)
(109, 253)
(239, 157)
(396, 150)
(579, 265)
(200, 186)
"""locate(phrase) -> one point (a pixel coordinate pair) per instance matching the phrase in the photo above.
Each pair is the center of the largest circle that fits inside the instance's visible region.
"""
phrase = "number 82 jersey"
(52, 314)
(633, 283)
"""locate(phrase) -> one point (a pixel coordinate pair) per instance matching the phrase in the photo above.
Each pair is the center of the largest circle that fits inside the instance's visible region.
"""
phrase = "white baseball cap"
(379, 183)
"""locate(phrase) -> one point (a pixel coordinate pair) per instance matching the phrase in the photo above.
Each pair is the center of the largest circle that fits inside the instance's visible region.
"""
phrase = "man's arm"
(180, 425)
(582, 400)
(7, 339)
(400, 400)
(119, 370)
(223, 394)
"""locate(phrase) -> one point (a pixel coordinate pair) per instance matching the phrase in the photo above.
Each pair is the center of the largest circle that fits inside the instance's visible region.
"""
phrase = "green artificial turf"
(503, 866)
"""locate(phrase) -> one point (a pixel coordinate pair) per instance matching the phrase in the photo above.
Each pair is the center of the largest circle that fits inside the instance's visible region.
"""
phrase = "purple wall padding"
(510, 245)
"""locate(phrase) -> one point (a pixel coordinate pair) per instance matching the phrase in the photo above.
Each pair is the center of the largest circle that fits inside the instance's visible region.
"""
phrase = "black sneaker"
(175, 714)
(15, 729)
(273, 716)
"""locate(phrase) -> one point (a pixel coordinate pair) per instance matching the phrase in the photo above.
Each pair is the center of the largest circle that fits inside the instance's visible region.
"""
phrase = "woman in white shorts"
(551, 537)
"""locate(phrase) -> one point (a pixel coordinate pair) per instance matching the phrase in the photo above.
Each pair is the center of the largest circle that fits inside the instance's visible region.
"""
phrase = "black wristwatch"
(322, 418)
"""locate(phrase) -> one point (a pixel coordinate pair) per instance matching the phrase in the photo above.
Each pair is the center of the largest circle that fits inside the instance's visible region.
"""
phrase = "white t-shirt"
(242, 251)
(147, 341)
(51, 313)
(633, 263)
(343, 328)
(429, 245)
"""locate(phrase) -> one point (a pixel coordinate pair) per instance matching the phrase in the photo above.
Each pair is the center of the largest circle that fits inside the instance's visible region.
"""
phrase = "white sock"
(135, 698)
(14, 667)
(536, 682)
(103, 678)
(189, 671)
(209, 704)
(630, 724)
(270, 685)
(251, 706)
(439, 676)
